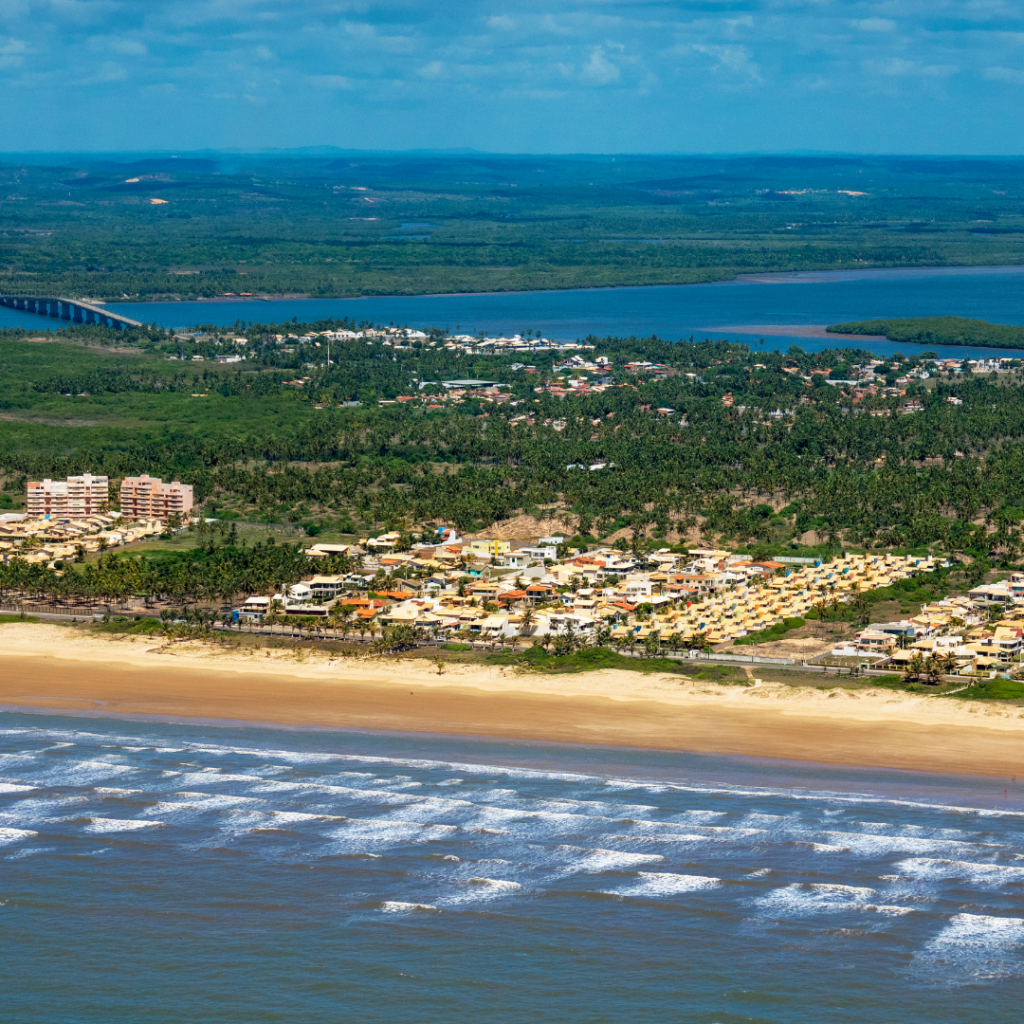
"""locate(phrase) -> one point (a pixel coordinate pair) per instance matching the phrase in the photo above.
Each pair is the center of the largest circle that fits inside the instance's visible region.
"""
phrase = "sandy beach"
(56, 667)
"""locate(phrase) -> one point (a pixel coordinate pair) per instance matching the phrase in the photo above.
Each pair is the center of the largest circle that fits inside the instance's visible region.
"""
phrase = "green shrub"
(772, 633)
(993, 689)
(590, 659)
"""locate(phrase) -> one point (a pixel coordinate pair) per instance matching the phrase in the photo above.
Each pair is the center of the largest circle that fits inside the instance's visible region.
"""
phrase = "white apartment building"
(148, 497)
(47, 498)
(84, 495)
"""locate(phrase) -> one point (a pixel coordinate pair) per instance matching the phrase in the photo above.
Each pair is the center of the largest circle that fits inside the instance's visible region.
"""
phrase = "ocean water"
(194, 873)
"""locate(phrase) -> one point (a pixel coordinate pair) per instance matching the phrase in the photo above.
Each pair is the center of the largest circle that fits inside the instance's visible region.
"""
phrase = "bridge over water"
(75, 311)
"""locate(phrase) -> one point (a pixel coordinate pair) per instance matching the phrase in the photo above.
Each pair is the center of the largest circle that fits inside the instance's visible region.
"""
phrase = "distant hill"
(938, 330)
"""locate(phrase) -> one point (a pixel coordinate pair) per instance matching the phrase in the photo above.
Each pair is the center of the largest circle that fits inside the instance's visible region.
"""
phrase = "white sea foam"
(583, 861)
(976, 947)
(387, 833)
(210, 776)
(10, 787)
(12, 835)
(873, 845)
(979, 929)
(985, 874)
(816, 898)
(495, 884)
(655, 883)
(118, 825)
(481, 890)
(818, 796)
(593, 808)
(297, 816)
(198, 803)
(11, 760)
(667, 837)
(398, 762)
(84, 773)
(36, 809)
(349, 792)
(399, 907)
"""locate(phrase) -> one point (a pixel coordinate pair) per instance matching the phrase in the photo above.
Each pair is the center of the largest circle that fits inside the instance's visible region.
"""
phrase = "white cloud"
(876, 25)
(733, 58)
(998, 74)
(334, 82)
(599, 69)
(129, 47)
(108, 71)
(897, 67)
(654, 58)
(984, 9)
(435, 69)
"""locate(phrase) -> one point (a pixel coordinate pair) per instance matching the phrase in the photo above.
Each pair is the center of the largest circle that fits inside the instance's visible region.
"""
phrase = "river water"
(673, 311)
(192, 873)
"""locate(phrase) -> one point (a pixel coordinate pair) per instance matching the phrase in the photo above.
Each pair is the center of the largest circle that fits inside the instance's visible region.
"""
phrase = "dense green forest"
(376, 224)
(938, 330)
(722, 442)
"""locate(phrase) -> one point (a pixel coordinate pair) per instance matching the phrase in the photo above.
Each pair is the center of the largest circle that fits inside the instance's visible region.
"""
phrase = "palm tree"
(947, 663)
(699, 642)
(529, 618)
(915, 666)
(821, 607)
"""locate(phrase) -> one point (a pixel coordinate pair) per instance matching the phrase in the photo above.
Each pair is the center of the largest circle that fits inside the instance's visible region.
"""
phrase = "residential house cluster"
(66, 538)
(402, 337)
(976, 633)
(497, 589)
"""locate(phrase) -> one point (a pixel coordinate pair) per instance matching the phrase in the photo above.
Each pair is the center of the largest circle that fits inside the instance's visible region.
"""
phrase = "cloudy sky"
(541, 76)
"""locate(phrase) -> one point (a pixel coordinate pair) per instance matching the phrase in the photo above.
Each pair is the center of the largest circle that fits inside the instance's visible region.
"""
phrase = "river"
(781, 302)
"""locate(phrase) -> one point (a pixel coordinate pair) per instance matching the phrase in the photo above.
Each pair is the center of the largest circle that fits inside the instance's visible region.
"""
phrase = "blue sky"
(540, 76)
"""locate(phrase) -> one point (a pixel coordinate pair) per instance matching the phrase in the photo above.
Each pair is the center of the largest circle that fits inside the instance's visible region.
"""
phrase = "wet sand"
(55, 667)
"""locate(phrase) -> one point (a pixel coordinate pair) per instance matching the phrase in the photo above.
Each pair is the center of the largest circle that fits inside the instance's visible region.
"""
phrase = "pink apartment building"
(148, 497)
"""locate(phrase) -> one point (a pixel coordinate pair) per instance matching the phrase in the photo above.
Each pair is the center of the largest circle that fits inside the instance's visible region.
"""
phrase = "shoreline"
(48, 668)
(793, 331)
(746, 277)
